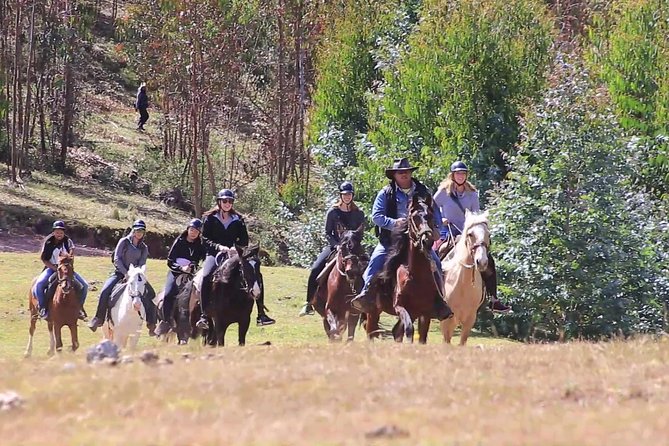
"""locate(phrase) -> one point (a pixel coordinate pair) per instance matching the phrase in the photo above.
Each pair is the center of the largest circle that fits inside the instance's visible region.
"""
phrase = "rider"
(53, 245)
(454, 195)
(390, 209)
(130, 250)
(343, 214)
(183, 258)
(223, 229)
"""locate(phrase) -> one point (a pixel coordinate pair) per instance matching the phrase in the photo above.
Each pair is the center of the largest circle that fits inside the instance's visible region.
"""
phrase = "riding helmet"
(346, 188)
(58, 224)
(195, 223)
(139, 224)
(459, 166)
(225, 193)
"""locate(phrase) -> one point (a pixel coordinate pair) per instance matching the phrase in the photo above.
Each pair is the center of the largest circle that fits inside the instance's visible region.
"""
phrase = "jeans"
(378, 259)
(171, 290)
(43, 281)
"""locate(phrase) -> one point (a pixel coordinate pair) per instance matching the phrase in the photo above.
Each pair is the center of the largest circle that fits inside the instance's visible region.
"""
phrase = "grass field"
(303, 391)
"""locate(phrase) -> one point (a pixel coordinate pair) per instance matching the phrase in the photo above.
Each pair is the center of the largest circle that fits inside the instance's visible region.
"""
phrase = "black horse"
(180, 317)
(237, 284)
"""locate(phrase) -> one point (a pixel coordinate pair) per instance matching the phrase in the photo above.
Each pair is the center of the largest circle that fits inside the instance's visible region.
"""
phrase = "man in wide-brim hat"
(390, 209)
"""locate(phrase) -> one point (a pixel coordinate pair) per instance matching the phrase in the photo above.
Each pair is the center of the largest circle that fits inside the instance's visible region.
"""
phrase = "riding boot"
(262, 319)
(101, 312)
(489, 277)
(203, 324)
(366, 300)
(441, 309)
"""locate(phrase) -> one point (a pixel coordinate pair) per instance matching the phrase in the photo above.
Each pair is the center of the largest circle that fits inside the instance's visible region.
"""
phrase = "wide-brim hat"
(399, 165)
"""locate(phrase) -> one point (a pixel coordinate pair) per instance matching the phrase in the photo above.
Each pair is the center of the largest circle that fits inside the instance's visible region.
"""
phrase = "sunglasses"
(226, 200)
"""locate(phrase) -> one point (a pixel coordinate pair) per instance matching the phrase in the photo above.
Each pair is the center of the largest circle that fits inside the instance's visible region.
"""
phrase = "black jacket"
(390, 190)
(142, 100)
(348, 220)
(182, 248)
(214, 233)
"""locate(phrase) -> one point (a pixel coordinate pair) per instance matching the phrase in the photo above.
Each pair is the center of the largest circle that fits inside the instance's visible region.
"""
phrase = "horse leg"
(52, 339)
(448, 328)
(423, 328)
(243, 329)
(372, 325)
(404, 316)
(397, 330)
(220, 333)
(466, 329)
(333, 323)
(75, 336)
(352, 322)
(58, 333)
(31, 332)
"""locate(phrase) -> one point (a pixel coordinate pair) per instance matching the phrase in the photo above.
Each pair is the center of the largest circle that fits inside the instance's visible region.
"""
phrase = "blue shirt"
(380, 218)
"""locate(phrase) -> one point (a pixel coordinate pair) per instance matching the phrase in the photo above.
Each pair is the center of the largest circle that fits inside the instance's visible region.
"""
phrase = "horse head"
(242, 270)
(353, 258)
(65, 270)
(136, 284)
(250, 266)
(421, 223)
(476, 238)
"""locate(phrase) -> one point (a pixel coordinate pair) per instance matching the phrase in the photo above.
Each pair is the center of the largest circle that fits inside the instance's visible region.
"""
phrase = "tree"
(582, 252)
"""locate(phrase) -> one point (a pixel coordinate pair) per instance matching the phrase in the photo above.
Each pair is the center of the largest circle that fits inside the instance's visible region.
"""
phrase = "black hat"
(399, 165)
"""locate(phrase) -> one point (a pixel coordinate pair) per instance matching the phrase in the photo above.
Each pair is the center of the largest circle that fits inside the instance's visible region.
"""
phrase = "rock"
(69, 366)
(390, 431)
(149, 357)
(105, 349)
(127, 359)
(10, 400)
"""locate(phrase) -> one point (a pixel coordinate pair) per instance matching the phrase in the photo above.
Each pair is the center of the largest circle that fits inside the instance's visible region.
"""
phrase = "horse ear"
(143, 269)
(131, 267)
(360, 229)
(467, 213)
(239, 249)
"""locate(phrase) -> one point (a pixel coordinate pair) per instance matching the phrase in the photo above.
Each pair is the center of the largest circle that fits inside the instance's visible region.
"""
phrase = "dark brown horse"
(63, 310)
(332, 300)
(237, 284)
(407, 286)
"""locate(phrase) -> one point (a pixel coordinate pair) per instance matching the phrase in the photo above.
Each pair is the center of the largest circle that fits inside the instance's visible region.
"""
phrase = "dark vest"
(390, 191)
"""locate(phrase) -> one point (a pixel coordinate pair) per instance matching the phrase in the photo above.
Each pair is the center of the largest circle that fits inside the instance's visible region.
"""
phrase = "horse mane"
(473, 219)
(225, 272)
(399, 250)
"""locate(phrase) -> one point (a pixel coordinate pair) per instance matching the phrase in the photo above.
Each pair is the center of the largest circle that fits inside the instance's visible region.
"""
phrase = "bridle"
(65, 281)
(415, 232)
(345, 259)
(472, 248)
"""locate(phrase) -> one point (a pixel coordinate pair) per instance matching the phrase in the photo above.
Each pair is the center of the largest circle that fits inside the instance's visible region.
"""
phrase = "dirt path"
(13, 242)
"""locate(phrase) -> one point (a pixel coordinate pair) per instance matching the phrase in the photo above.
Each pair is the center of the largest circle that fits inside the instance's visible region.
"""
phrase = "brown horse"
(407, 286)
(63, 311)
(463, 285)
(344, 281)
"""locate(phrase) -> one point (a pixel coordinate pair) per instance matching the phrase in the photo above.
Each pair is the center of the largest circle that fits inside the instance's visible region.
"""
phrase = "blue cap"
(195, 223)
(225, 193)
(58, 224)
(139, 224)
(346, 188)
(459, 166)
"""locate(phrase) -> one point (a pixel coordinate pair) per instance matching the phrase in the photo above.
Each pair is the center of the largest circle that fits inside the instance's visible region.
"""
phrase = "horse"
(181, 312)
(407, 287)
(463, 285)
(128, 314)
(63, 311)
(236, 285)
(344, 280)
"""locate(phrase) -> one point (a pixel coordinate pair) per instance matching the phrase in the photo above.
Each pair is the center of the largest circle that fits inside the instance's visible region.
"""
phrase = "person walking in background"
(141, 104)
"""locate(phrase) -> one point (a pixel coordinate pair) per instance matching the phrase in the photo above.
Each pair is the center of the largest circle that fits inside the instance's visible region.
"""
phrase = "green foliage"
(582, 251)
(456, 92)
(631, 52)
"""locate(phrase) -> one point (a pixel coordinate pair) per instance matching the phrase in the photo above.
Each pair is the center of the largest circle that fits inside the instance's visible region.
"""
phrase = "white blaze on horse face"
(255, 290)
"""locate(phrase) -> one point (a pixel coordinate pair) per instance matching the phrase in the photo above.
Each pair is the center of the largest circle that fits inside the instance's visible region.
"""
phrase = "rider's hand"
(444, 221)
(187, 268)
(223, 248)
(400, 221)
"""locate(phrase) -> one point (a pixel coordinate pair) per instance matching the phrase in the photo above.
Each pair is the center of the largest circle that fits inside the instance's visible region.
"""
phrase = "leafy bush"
(582, 251)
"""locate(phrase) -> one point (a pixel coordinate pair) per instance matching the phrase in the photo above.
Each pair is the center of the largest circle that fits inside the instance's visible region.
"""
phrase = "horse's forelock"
(474, 219)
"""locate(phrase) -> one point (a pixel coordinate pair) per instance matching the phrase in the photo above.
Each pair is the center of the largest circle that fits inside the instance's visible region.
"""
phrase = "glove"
(187, 268)
(444, 221)
(223, 248)
(400, 221)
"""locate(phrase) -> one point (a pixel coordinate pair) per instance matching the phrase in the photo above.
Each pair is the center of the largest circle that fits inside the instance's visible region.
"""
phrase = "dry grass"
(303, 391)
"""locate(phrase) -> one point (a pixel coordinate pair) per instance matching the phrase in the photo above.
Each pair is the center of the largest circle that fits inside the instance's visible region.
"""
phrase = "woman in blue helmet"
(455, 195)
(185, 254)
(130, 250)
(223, 228)
(345, 214)
(53, 245)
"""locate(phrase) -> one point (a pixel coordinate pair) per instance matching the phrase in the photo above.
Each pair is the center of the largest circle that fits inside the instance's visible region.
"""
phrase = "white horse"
(128, 315)
(463, 285)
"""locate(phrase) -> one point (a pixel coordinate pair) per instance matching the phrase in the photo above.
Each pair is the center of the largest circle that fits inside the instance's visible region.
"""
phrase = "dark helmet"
(346, 188)
(139, 224)
(459, 166)
(195, 223)
(225, 193)
(58, 224)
